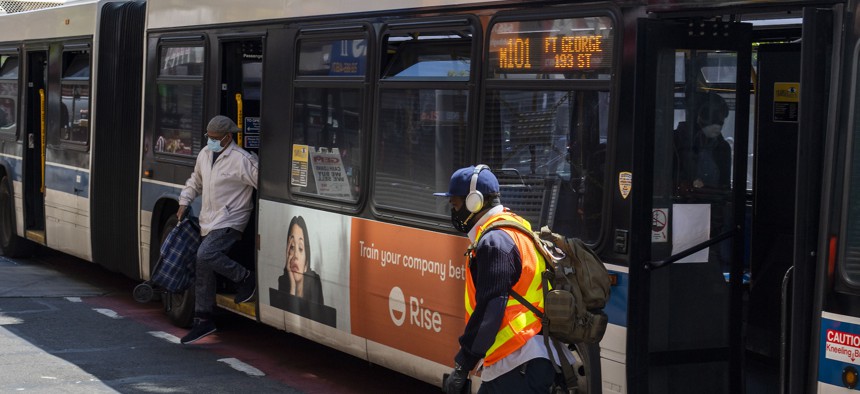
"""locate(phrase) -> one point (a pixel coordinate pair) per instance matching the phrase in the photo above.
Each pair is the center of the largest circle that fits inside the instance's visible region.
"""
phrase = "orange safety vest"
(519, 324)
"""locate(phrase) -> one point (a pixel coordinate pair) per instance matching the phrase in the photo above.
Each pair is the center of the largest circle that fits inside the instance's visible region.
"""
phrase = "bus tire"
(587, 368)
(179, 307)
(11, 245)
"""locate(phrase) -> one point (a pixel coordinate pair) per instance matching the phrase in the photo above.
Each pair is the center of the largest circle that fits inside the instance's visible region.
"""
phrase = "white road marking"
(107, 312)
(73, 299)
(163, 335)
(242, 367)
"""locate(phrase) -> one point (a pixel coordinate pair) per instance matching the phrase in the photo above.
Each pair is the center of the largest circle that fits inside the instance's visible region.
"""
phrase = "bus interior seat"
(532, 197)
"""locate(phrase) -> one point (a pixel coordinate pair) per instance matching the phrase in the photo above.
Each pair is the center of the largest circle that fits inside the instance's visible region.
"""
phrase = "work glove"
(456, 381)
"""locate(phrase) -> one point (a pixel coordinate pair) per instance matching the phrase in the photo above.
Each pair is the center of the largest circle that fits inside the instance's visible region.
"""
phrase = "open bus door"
(34, 142)
(692, 99)
(724, 297)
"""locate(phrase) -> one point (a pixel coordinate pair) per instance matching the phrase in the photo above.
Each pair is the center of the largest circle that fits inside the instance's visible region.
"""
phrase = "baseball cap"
(461, 179)
(222, 124)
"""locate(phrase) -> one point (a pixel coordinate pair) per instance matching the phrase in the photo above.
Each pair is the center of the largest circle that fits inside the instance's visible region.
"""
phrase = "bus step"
(36, 236)
(247, 309)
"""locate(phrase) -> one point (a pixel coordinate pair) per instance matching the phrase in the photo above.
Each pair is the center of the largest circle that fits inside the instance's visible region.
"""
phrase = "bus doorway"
(736, 175)
(34, 154)
(241, 78)
(686, 276)
(241, 74)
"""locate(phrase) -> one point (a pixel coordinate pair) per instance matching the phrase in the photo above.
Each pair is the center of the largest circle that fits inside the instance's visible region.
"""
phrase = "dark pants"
(211, 259)
(535, 376)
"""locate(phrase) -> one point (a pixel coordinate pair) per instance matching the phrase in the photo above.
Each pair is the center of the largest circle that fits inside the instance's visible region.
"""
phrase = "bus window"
(179, 101)
(8, 93)
(75, 94)
(328, 108)
(849, 265)
(423, 118)
(326, 124)
(545, 132)
(548, 149)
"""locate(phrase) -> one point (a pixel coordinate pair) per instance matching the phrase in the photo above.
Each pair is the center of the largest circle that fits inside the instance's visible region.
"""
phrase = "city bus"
(705, 150)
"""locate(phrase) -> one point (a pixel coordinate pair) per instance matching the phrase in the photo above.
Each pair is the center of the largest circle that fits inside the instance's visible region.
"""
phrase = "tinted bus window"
(327, 137)
(333, 58)
(181, 61)
(548, 145)
(179, 101)
(423, 118)
(75, 96)
(548, 149)
(8, 93)
(850, 264)
(327, 142)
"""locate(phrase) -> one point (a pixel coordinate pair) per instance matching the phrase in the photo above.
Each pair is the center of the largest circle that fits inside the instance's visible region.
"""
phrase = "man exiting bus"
(225, 175)
(499, 329)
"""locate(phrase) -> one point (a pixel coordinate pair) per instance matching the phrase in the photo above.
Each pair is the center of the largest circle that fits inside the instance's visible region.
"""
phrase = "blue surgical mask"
(214, 145)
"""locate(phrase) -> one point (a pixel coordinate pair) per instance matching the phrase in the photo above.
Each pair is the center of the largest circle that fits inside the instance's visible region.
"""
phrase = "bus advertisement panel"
(397, 286)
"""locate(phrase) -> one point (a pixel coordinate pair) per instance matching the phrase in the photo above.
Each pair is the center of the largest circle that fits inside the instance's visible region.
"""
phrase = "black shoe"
(200, 329)
(247, 289)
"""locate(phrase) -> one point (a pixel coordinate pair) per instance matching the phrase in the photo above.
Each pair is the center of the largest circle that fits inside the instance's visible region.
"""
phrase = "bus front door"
(689, 171)
(34, 152)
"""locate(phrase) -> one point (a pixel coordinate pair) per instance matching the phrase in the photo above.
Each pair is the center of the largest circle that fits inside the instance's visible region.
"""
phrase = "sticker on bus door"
(839, 353)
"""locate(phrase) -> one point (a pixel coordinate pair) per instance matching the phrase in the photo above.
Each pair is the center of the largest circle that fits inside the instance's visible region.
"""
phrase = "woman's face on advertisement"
(296, 258)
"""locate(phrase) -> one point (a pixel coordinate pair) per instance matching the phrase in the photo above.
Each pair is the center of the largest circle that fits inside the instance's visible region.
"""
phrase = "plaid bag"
(175, 268)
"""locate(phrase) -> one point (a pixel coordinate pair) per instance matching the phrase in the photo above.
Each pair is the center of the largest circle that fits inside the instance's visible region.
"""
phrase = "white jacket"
(226, 186)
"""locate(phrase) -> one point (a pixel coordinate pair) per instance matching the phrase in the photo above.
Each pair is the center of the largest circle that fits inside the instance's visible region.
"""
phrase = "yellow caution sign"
(786, 101)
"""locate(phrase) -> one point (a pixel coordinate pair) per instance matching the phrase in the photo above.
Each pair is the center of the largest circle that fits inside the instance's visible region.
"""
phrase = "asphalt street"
(67, 326)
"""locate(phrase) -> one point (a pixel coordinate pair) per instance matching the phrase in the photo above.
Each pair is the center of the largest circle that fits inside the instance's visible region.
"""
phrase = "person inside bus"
(298, 279)
(703, 156)
(703, 165)
(501, 260)
(228, 175)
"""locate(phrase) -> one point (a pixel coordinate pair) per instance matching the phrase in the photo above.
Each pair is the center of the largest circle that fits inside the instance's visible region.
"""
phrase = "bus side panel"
(399, 288)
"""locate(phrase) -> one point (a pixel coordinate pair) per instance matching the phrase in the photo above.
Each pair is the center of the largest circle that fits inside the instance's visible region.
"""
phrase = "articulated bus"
(705, 150)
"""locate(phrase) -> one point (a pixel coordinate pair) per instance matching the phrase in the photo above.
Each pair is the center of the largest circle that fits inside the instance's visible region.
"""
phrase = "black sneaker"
(247, 289)
(200, 329)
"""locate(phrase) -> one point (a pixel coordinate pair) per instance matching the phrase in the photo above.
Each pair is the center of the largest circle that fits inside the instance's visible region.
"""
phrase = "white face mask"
(712, 131)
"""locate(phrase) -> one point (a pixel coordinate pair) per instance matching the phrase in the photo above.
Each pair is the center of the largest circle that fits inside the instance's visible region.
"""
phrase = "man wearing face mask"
(499, 330)
(226, 176)
(704, 157)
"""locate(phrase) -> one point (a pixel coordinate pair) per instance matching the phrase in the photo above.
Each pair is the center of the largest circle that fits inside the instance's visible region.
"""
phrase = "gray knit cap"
(222, 124)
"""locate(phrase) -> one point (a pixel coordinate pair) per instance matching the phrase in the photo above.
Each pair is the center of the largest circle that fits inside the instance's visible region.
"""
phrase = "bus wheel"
(179, 307)
(11, 245)
(587, 367)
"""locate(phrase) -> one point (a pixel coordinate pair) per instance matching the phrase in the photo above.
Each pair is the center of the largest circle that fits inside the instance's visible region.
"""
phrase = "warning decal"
(842, 346)
(786, 100)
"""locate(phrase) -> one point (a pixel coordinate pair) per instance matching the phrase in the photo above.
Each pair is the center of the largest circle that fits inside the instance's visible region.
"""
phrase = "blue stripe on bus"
(15, 164)
(67, 180)
(151, 193)
(62, 179)
(616, 308)
(842, 355)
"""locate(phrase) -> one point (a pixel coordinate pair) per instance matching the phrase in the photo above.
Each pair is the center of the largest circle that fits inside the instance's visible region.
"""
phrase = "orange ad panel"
(406, 288)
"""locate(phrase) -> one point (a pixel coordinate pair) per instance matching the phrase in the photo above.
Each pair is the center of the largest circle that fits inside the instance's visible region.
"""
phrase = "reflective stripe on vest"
(518, 324)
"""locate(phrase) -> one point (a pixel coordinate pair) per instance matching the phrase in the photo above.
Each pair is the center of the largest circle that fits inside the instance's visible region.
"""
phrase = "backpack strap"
(566, 367)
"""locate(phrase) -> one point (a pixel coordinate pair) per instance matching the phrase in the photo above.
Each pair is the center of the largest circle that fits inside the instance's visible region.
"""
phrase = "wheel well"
(164, 208)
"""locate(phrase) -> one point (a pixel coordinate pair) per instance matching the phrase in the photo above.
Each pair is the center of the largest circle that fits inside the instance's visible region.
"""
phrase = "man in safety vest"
(499, 329)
